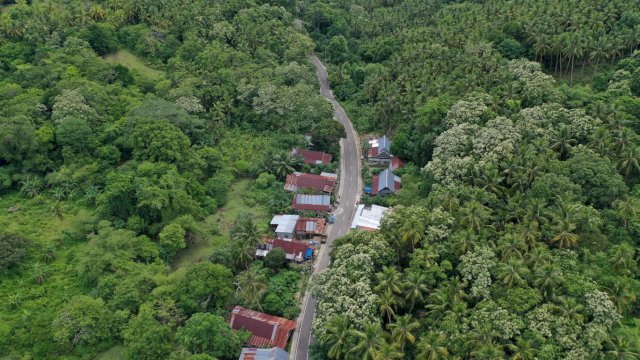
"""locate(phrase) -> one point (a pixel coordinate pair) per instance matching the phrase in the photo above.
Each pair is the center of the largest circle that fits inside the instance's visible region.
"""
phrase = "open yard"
(132, 62)
(220, 223)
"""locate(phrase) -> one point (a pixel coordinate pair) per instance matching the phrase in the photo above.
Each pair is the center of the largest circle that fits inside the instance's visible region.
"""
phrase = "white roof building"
(368, 218)
(285, 225)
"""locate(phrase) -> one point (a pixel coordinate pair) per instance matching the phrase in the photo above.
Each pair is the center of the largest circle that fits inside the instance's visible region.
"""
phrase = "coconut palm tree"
(563, 141)
(402, 330)
(565, 237)
(629, 163)
(431, 346)
(548, 279)
(522, 350)
(250, 285)
(627, 209)
(475, 215)
(415, 287)
(569, 308)
(412, 231)
(463, 241)
(513, 273)
(388, 280)
(337, 336)
(388, 304)
(619, 348)
(387, 351)
(367, 341)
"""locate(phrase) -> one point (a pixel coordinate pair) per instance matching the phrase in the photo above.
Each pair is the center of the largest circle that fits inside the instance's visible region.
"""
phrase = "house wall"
(284, 235)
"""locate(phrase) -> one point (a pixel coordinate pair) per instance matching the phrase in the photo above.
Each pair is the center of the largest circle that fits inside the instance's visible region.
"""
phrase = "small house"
(274, 353)
(284, 226)
(385, 183)
(379, 151)
(310, 228)
(312, 157)
(266, 330)
(297, 181)
(368, 218)
(295, 250)
(308, 202)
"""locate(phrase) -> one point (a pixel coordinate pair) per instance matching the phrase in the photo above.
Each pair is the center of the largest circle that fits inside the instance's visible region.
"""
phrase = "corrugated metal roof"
(309, 199)
(312, 157)
(266, 330)
(384, 143)
(368, 218)
(285, 223)
(311, 202)
(316, 182)
(263, 354)
(386, 180)
(311, 225)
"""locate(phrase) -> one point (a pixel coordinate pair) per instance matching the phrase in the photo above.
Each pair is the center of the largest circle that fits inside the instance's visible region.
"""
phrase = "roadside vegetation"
(514, 235)
(142, 151)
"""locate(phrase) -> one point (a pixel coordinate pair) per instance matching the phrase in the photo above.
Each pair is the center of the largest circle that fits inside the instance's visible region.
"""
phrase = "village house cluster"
(300, 234)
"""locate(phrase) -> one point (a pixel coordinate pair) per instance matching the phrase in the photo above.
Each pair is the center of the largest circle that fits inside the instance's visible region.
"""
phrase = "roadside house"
(310, 228)
(266, 330)
(385, 183)
(380, 151)
(306, 202)
(295, 250)
(368, 218)
(312, 157)
(274, 353)
(284, 226)
(319, 183)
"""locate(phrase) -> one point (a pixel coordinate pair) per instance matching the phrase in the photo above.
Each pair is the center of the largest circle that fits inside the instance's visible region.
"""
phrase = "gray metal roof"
(285, 223)
(310, 226)
(368, 217)
(386, 180)
(309, 199)
(264, 354)
(384, 143)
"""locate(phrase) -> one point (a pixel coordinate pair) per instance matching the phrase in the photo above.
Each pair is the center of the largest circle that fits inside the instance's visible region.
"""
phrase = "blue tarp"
(367, 189)
(309, 254)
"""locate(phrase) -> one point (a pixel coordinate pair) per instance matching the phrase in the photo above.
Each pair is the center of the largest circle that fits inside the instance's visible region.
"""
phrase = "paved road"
(350, 185)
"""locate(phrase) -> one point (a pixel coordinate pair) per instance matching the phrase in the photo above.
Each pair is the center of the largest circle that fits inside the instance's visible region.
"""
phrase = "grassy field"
(115, 353)
(220, 223)
(132, 62)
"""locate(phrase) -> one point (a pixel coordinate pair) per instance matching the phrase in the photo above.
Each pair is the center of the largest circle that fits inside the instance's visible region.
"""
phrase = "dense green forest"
(516, 232)
(144, 145)
(138, 140)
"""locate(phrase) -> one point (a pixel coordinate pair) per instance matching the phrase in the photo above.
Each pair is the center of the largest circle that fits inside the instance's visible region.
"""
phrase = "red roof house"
(311, 202)
(298, 180)
(385, 183)
(266, 330)
(310, 227)
(312, 157)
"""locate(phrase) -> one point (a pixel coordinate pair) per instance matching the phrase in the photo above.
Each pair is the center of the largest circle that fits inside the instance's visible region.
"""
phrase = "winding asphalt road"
(348, 195)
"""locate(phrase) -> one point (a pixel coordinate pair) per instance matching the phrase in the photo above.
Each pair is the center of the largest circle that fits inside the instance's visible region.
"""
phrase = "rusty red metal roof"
(396, 163)
(294, 247)
(298, 180)
(312, 157)
(312, 226)
(266, 330)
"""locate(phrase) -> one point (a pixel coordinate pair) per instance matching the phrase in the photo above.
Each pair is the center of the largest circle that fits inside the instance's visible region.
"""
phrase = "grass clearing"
(115, 353)
(132, 62)
(218, 225)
